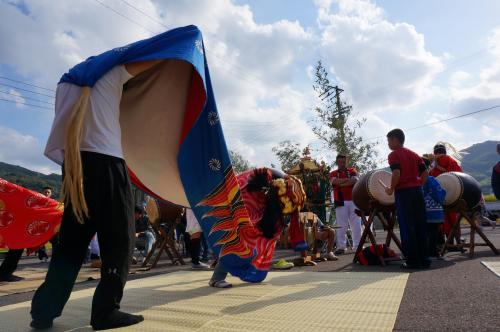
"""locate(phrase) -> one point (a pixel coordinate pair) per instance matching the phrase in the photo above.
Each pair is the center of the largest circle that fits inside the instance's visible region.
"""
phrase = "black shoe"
(11, 278)
(40, 325)
(116, 319)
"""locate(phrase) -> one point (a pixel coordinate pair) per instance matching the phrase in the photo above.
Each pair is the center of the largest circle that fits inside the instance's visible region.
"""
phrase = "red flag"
(27, 218)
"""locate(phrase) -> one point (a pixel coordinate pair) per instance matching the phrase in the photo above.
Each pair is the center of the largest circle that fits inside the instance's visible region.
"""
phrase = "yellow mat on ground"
(286, 301)
(493, 267)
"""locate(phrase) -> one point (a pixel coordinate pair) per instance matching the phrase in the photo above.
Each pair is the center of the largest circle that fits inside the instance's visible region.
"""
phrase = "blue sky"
(401, 64)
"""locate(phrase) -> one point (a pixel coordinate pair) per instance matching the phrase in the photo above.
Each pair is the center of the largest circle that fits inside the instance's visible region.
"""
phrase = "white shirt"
(192, 224)
(101, 127)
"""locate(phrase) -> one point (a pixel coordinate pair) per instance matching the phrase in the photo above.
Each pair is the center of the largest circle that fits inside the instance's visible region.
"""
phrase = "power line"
(24, 97)
(124, 16)
(455, 117)
(17, 102)
(34, 92)
(144, 13)
(234, 66)
(21, 82)
(443, 120)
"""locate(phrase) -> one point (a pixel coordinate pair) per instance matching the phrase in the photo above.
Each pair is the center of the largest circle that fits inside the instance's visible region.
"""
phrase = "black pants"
(109, 198)
(42, 252)
(9, 264)
(433, 238)
(412, 218)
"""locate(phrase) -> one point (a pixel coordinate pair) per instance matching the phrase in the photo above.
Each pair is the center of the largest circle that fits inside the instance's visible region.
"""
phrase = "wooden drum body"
(160, 212)
(371, 187)
(460, 186)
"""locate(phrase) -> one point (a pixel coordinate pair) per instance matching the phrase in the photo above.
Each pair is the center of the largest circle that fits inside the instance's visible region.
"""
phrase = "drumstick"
(382, 183)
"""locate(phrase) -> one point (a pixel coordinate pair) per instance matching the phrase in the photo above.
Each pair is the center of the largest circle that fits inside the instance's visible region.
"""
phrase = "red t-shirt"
(446, 162)
(410, 165)
(347, 190)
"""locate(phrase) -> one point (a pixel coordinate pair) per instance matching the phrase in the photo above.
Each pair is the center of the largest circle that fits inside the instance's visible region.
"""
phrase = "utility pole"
(328, 94)
(338, 116)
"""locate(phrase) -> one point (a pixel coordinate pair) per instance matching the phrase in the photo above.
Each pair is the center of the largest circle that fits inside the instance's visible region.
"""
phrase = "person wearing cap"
(445, 163)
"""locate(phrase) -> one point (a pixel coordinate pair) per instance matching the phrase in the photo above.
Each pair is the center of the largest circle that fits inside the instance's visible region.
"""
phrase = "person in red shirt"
(342, 181)
(444, 163)
(408, 175)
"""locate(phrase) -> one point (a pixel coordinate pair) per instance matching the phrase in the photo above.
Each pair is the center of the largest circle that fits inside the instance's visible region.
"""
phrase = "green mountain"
(30, 179)
(479, 161)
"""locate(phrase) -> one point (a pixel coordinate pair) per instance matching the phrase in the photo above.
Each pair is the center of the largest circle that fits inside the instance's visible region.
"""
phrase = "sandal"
(220, 284)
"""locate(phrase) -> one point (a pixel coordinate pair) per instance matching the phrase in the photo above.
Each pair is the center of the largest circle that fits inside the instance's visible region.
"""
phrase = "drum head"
(153, 211)
(376, 187)
(451, 183)
(458, 186)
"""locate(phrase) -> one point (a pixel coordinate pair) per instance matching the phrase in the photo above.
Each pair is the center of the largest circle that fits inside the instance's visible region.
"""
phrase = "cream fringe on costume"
(452, 151)
(72, 186)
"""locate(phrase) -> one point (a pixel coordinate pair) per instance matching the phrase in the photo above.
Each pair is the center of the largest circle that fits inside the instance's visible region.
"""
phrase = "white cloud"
(14, 96)
(459, 77)
(24, 150)
(250, 63)
(380, 63)
(252, 71)
(484, 94)
(444, 129)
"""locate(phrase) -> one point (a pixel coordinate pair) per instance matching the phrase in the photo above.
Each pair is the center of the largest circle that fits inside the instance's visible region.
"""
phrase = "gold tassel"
(72, 186)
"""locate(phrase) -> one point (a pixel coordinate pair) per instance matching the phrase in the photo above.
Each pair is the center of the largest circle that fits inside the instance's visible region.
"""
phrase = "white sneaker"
(331, 256)
(200, 266)
(220, 284)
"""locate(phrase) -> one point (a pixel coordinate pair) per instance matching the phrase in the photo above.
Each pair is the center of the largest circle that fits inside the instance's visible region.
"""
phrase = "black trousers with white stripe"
(109, 198)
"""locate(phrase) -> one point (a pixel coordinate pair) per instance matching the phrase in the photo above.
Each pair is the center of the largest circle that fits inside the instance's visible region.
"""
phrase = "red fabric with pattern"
(27, 218)
(255, 204)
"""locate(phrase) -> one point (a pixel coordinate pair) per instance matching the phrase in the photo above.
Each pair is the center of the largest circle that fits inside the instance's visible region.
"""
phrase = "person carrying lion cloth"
(97, 191)
(268, 197)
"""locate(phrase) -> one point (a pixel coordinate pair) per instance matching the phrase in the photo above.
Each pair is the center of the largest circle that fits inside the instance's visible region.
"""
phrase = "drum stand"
(376, 209)
(461, 208)
(165, 243)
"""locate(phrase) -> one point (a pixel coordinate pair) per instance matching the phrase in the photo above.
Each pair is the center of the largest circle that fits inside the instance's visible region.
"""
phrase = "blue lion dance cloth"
(205, 174)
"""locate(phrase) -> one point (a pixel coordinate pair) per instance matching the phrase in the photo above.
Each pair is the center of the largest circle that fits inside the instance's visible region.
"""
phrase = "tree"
(336, 129)
(240, 164)
(288, 153)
